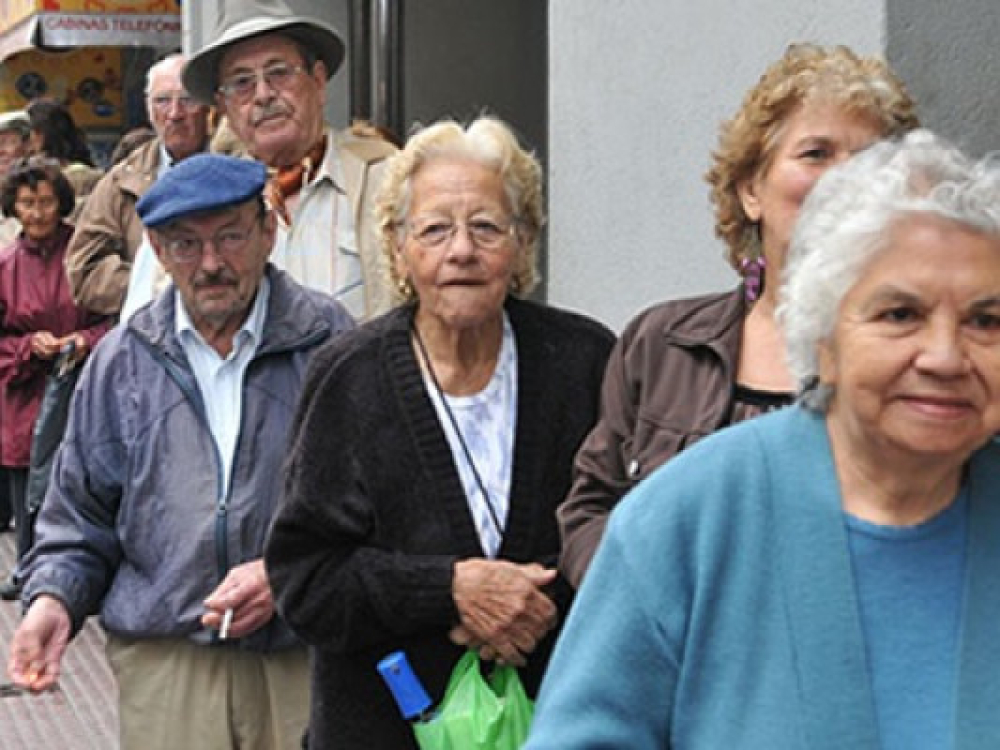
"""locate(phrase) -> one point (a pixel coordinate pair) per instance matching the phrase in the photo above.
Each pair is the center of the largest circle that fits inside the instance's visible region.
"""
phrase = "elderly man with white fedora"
(266, 69)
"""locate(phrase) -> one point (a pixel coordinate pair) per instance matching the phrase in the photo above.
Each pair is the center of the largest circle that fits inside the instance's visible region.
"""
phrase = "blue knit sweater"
(721, 611)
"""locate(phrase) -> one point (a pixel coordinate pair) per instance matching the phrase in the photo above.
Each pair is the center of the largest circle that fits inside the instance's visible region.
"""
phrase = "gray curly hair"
(844, 224)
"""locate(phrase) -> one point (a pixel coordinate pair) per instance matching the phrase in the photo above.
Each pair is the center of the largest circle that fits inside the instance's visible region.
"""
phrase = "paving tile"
(82, 714)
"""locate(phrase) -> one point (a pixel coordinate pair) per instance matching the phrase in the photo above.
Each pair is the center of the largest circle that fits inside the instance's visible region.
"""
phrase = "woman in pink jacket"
(38, 318)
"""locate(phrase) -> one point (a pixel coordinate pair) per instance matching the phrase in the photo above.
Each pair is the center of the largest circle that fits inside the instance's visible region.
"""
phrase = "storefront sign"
(79, 23)
(81, 29)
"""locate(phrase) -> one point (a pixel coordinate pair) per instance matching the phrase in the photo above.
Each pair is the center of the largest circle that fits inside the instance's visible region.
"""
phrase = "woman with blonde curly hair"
(686, 368)
(434, 443)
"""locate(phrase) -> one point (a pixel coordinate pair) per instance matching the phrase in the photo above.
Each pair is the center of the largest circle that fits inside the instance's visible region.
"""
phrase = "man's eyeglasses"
(163, 102)
(187, 249)
(485, 234)
(240, 87)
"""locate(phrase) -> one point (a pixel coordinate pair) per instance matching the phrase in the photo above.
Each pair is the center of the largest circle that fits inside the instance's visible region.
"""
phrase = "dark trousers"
(6, 510)
(17, 483)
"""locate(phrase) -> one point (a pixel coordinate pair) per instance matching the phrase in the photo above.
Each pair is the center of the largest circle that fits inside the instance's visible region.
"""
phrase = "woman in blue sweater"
(824, 577)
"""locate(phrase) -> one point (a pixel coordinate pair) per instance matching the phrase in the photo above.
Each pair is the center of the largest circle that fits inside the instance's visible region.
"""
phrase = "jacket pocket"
(653, 444)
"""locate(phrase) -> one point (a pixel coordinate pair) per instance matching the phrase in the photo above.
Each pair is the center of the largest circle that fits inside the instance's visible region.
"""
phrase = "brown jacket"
(108, 233)
(82, 178)
(669, 382)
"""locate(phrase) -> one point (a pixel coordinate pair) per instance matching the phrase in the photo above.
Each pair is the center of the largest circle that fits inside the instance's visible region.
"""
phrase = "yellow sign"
(104, 6)
(87, 80)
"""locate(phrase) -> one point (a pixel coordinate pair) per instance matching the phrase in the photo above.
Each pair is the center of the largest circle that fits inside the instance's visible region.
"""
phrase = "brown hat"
(240, 20)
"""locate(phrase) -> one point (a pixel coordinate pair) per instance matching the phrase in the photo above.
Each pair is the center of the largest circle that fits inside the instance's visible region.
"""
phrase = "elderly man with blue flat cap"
(168, 477)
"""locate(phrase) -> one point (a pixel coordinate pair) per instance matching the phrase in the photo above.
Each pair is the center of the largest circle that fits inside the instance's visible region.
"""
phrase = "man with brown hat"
(266, 69)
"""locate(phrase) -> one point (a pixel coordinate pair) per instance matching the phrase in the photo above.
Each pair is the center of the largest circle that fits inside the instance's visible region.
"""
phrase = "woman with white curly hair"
(824, 576)
(434, 443)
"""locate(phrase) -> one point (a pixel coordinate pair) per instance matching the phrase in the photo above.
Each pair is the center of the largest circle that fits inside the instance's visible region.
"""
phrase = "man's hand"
(38, 645)
(246, 591)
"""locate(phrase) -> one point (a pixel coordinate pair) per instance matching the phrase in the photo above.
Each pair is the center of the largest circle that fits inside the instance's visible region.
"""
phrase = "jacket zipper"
(180, 375)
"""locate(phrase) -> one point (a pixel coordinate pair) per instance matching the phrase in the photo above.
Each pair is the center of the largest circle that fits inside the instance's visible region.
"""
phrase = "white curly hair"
(846, 220)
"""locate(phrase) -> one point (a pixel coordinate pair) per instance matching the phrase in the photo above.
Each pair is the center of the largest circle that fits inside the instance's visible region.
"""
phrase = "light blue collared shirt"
(221, 380)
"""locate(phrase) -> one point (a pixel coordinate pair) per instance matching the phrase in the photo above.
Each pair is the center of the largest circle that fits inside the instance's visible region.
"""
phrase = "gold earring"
(404, 287)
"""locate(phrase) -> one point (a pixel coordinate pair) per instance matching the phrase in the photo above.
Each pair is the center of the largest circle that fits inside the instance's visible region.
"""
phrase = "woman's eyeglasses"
(485, 234)
(43, 205)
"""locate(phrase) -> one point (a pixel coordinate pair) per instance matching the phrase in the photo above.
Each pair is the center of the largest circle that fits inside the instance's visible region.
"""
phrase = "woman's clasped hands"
(503, 610)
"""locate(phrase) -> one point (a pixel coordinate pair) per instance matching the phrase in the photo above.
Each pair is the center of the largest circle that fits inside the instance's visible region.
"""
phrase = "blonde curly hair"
(806, 73)
(486, 141)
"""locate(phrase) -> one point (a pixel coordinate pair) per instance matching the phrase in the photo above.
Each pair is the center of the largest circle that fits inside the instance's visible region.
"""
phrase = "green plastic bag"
(476, 714)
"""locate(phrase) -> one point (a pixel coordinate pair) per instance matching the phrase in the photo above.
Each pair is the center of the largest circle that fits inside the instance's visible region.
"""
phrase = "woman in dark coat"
(433, 445)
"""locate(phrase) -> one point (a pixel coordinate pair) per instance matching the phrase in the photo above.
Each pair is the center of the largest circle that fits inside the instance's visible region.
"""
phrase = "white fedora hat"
(240, 20)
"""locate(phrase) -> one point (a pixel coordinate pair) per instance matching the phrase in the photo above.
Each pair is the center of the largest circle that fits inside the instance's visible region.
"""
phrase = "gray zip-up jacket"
(134, 524)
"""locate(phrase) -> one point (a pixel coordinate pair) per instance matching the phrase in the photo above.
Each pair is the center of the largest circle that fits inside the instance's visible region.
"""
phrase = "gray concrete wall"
(637, 89)
(949, 56)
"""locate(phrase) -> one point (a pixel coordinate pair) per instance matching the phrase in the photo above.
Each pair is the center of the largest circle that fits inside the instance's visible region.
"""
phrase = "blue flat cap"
(200, 183)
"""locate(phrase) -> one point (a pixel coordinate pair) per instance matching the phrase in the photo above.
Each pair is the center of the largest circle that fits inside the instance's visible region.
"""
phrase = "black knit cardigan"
(374, 515)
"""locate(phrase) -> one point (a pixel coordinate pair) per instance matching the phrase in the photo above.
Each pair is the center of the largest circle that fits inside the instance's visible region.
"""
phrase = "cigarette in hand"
(227, 620)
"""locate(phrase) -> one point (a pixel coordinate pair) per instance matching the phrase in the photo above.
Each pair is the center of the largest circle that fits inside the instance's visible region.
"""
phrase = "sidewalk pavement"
(82, 714)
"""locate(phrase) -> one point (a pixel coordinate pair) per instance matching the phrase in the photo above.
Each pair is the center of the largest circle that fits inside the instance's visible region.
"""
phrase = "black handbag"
(50, 426)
